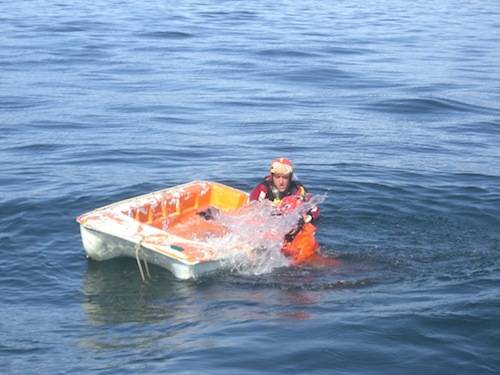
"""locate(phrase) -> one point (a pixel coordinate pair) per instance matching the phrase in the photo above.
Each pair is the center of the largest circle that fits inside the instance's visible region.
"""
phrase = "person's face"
(281, 181)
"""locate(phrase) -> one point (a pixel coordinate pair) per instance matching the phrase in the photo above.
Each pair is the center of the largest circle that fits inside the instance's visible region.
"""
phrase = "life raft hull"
(159, 227)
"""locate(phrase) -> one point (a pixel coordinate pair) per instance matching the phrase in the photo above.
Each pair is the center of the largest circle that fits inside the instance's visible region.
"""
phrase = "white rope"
(139, 265)
(146, 267)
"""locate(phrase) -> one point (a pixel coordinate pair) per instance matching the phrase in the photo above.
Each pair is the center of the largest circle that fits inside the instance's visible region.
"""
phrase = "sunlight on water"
(254, 237)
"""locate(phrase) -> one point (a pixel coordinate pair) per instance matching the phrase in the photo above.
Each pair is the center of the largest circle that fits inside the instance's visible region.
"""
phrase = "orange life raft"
(165, 228)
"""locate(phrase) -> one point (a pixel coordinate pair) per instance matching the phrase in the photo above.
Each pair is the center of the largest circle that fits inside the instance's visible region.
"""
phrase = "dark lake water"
(391, 108)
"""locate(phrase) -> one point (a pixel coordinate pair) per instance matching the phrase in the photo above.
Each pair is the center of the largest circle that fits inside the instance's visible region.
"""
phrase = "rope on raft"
(139, 265)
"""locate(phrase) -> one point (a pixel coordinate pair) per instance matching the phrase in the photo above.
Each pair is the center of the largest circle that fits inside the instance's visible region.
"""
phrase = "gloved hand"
(209, 214)
(291, 235)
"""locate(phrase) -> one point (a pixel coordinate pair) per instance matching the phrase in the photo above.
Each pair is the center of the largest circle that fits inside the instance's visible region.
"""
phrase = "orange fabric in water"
(303, 246)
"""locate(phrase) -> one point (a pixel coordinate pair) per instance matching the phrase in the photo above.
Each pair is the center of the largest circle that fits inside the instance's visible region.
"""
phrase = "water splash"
(254, 237)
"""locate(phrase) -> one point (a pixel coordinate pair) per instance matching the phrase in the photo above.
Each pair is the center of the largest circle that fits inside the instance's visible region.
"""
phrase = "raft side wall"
(194, 197)
(226, 198)
(167, 207)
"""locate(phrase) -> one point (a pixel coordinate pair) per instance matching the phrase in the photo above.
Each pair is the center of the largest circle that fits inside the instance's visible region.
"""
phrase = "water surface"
(389, 108)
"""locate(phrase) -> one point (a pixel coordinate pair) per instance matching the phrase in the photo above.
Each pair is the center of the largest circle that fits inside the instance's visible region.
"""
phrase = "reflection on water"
(114, 294)
(169, 318)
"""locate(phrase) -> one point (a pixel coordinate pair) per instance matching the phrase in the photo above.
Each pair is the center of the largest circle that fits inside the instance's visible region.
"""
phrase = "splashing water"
(255, 233)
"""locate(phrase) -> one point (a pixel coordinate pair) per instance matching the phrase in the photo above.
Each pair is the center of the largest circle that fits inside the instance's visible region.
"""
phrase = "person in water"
(280, 183)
